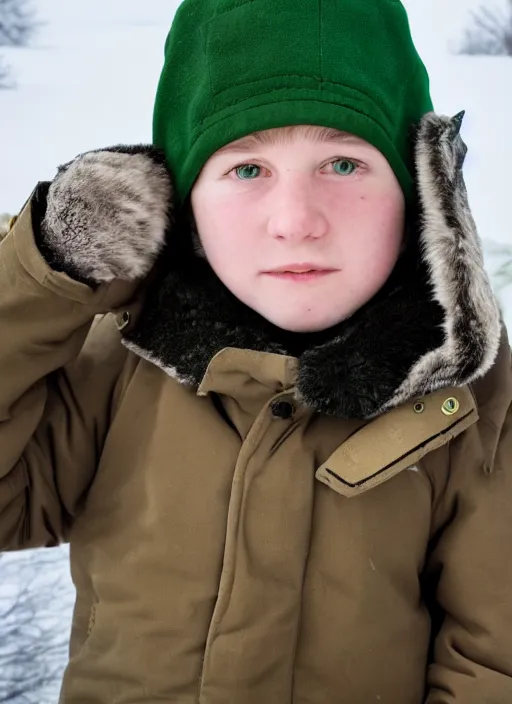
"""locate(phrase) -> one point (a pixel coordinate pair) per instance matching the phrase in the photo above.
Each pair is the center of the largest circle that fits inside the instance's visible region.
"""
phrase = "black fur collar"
(435, 324)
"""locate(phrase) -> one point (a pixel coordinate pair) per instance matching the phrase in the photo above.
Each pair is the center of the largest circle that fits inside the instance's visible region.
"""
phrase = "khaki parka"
(250, 526)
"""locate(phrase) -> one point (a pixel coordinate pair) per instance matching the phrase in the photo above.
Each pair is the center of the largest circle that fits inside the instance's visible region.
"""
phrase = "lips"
(300, 269)
(300, 272)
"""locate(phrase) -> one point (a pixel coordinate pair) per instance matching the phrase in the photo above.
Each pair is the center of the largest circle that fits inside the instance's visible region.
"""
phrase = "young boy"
(285, 473)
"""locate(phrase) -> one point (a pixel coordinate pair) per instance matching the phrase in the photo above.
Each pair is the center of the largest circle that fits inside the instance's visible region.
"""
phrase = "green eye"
(344, 167)
(248, 172)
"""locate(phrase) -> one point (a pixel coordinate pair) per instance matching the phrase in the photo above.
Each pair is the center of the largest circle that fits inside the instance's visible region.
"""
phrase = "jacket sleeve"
(471, 562)
(57, 377)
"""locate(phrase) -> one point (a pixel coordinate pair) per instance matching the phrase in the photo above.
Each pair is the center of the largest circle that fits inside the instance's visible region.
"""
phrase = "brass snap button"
(450, 406)
(419, 407)
(123, 320)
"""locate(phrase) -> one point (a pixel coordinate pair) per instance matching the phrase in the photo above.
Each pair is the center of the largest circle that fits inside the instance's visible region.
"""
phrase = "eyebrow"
(270, 138)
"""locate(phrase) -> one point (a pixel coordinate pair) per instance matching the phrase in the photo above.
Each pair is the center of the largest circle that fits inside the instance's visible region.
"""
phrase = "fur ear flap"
(452, 251)
(437, 322)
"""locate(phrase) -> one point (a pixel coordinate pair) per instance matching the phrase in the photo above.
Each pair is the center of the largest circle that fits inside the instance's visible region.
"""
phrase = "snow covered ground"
(89, 81)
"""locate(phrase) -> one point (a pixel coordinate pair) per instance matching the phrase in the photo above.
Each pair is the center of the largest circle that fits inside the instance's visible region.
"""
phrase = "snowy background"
(88, 80)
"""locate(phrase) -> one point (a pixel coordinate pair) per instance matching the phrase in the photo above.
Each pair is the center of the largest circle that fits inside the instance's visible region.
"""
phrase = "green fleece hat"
(233, 67)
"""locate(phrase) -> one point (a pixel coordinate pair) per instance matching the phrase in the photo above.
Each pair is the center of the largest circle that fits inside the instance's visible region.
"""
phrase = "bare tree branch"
(5, 80)
(490, 32)
(17, 24)
(17, 27)
(35, 626)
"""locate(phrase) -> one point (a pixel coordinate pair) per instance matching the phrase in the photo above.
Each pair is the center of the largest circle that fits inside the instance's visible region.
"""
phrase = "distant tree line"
(17, 27)
(490, 32)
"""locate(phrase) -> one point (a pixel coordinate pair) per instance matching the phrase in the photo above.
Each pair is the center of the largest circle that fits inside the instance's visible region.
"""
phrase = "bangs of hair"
(285, 135)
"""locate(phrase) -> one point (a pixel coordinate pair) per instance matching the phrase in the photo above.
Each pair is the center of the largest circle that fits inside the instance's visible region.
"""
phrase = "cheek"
(224, 233)
(377, 226)
(386, 207)
(392, 226)
(218, 213)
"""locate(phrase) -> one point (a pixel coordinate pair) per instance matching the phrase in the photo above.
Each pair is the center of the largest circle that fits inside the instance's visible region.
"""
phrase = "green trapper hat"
(233, 67)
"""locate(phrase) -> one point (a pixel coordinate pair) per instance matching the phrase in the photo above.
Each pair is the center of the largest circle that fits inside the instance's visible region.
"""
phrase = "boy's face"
(300, 196)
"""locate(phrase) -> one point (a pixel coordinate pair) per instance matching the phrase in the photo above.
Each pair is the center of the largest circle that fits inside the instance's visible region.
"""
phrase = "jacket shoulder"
(493, 395)
(463, 463)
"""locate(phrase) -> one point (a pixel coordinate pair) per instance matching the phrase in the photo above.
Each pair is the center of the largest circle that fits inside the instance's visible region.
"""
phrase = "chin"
(299, 326)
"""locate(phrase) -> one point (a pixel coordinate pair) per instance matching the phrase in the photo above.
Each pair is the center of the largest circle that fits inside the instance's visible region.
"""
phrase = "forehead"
(288, 135)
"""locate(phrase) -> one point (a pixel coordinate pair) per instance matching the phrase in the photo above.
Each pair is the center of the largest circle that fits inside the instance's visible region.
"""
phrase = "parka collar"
(435, 324)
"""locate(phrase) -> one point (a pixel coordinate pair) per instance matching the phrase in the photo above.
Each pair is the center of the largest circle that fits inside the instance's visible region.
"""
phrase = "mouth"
(300, 272)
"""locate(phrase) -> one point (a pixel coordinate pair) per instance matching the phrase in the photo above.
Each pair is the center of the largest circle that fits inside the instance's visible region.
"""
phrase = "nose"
(295, 213)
